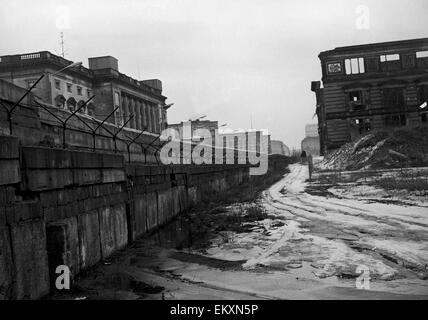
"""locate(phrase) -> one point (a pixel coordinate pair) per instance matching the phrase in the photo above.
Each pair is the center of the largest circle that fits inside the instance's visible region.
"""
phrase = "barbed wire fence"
(93, 128)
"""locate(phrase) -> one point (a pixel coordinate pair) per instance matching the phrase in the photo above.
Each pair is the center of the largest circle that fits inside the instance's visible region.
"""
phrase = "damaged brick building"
(371, 87)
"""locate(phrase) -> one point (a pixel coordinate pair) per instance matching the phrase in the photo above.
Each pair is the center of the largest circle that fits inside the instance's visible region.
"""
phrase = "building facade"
(279, 147)
(187, 130)
(371, 87)
(311, 143)
(140, 104)
(248, 140)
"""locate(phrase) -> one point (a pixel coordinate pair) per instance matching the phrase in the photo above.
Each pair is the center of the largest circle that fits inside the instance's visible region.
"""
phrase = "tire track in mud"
(309, 206)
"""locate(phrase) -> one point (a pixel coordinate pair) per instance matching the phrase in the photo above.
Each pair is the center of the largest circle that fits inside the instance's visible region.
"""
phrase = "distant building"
(279, 147)
(371, 87)
(211, 126)
(68, 88)
(311, 143)
(260, 142)
(311, 130)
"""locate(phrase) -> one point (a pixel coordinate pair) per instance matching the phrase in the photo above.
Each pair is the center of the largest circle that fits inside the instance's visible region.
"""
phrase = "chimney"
(106, 62)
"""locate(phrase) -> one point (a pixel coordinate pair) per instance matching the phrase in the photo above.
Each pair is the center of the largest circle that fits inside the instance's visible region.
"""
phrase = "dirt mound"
(397, 148)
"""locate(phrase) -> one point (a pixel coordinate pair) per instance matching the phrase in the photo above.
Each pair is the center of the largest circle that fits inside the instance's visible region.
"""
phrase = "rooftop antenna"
(62, 44)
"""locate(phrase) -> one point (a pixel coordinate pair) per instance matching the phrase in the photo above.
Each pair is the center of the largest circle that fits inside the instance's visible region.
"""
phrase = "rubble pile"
(399, 148)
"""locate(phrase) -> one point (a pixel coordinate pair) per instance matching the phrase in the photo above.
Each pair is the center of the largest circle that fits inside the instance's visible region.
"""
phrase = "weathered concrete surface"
(6, 266)
(140, 215)
(83, 206)
(89, 239)
(9, 171)
(164, 206)
(152, 210)
(9, 160)
(30, 259)
(113, 229)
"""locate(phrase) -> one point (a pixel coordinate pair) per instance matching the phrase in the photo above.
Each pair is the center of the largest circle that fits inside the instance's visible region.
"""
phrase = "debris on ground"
(398, 148)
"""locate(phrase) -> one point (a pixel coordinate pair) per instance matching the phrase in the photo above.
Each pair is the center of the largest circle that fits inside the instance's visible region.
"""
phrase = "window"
(69, 85)
(354, 66)
(57, 84)
(367, 125)
(79, 91)
(89, 93)
(422, 54)
(118, 118)
(116, 99)
(363, 125)
(357, 100)
(356, 97)
(389, 57)
(334, 67)
(424, 117)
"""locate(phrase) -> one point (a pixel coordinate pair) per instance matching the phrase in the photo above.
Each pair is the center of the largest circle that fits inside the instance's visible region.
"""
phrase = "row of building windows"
(390, 121)
(358, 65)
(392, 98)
(151, 116)
(70, 88)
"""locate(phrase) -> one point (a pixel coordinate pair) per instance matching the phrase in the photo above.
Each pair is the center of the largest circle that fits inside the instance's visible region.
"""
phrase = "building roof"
(47, 59)
(400, 44)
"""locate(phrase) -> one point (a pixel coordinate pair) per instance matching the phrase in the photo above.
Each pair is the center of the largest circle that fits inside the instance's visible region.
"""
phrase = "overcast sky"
(231, 60)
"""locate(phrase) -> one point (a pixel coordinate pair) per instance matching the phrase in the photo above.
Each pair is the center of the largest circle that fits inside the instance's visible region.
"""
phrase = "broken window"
(357, 100)
(354, 66)
(393, 98)
(367, 125)
(363, 125)
(334, 67)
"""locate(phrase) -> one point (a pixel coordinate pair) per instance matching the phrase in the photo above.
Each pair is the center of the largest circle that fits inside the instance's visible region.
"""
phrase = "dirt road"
(309, 247)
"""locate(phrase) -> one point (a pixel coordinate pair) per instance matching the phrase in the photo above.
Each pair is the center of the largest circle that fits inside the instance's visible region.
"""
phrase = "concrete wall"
(76, 208)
